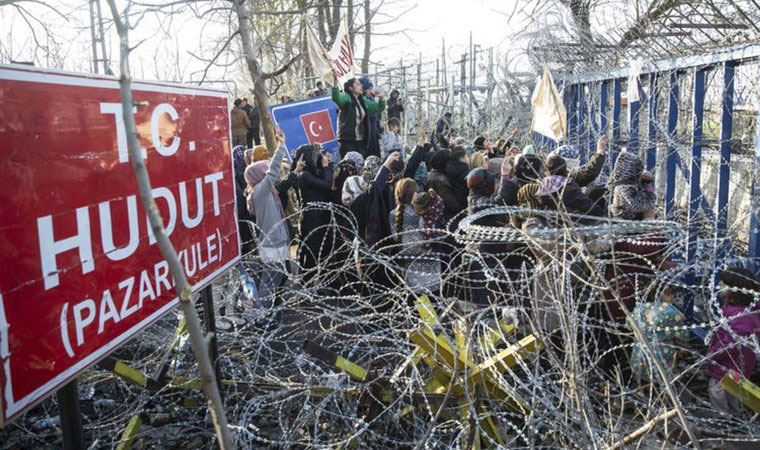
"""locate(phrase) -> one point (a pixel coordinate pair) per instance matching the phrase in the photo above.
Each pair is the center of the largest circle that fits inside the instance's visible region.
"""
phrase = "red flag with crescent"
(318, 127)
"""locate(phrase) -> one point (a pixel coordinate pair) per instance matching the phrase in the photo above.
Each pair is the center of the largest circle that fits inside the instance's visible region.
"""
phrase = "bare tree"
(367, 35)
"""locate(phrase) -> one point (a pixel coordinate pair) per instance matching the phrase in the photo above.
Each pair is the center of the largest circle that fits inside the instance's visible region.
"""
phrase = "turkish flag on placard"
(318, 127)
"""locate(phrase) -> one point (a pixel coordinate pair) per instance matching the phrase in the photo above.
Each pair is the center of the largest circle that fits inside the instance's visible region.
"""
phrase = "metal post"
(695, 193)
(754, 223)
(209, 319)
(724, 168)
(633, 124)
(571, 113)
(671, 161)
(604, 92)
(581, 122)
(617, 89)
(461, 92)
(71, 417)
(603, 99)
(592, 129)
(651, 160)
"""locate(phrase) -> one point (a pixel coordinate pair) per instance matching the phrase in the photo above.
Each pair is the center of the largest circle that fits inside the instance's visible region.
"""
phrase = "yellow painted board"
(354, 370)
(497, 335)
(130, 432)
(508, 356)
(746, 391)
(426, 311)
(130, 374)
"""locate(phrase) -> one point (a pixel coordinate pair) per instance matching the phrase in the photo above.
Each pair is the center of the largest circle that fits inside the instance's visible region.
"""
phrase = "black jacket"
(452, 203)
(457, 172)
(572, 198)
(395, 108)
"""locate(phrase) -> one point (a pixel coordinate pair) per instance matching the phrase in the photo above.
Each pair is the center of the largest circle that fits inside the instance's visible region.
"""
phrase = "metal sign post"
(71, 417)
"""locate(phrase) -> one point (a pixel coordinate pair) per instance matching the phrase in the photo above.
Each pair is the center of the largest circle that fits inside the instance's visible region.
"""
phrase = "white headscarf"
(352, 188)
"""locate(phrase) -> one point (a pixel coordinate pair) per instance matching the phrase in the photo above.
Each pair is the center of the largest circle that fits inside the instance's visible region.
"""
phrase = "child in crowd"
(429, 206)
(731, 347)
(392, 140)
(659, 322)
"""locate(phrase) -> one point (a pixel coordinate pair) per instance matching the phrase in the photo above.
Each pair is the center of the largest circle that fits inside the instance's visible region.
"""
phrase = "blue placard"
(312, 121)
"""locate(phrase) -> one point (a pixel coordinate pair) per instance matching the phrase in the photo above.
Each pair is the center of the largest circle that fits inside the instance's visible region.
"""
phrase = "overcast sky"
(424, 27)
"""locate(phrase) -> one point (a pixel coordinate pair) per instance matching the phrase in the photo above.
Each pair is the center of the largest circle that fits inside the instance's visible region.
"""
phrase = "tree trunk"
(350, 18)
(367, 36)
(183, 288)
(581, 11)
(321, 24)
(332, 27)
(336, 17)
(254, 68)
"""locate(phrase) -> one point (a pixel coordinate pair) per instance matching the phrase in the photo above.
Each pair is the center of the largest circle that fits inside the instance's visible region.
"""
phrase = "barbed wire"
(538, 364)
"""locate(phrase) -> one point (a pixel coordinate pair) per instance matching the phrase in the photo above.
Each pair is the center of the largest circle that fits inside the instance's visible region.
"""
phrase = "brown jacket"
(240, 121)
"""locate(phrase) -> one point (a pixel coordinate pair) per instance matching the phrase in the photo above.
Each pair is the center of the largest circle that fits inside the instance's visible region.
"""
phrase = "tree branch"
(183, 288)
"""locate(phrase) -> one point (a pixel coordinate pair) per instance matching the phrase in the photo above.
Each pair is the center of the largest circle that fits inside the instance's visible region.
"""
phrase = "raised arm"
(590, 171)
(414, 161)
(374, 106)
(273, 174)
(339, 97)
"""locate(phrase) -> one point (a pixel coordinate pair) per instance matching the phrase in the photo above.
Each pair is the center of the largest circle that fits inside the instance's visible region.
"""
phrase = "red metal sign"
(81, 272)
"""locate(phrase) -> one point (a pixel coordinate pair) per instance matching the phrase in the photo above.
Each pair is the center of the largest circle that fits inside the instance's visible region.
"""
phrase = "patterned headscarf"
(628, 201)
(628, 169)
(371, 167)
(352, 188)
(356, 158)
(552, 184)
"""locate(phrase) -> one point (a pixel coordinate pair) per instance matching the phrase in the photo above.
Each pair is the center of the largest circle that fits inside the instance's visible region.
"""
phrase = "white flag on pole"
(340, 57)
(549, 114)
(320, 59)
(633, 81)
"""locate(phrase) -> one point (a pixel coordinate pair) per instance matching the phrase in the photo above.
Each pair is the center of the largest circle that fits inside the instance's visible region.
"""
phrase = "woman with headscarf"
(351, 164)
(271, 228)
(633, 192)
(633, 262)
(353, 124)
(482, 186)
(315, 185)
(359, 203)
(440, 183)
(421, 269)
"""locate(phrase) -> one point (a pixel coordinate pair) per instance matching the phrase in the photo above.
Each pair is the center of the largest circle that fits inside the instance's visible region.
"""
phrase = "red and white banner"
(81, 271)
(340, 58)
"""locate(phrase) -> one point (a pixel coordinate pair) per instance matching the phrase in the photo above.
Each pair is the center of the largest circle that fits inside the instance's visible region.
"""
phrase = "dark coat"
(573, 200)
(374, 129)
(457, 172)
(573, 197)
(380, 203)
(395, 108)
(507, 194)
(255, 117)
(452, 203)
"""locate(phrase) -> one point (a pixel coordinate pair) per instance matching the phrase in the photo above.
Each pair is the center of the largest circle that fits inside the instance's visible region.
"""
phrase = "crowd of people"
(401, 203)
